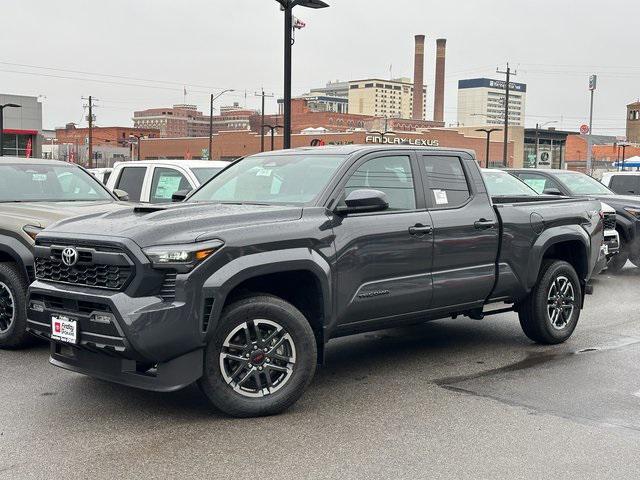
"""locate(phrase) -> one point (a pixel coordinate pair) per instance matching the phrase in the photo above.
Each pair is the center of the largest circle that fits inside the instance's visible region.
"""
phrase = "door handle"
(420, 229)
(484, 224)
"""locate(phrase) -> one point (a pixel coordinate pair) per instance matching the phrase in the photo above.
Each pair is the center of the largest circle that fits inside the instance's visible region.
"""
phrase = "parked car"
(565, 182)
(502, 184)
(101, 174)
(34, 194)
(240, 287)
(155, 181)
(622, 183)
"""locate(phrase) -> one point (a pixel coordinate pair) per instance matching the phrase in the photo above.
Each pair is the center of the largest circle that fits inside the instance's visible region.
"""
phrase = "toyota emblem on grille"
(69, 256)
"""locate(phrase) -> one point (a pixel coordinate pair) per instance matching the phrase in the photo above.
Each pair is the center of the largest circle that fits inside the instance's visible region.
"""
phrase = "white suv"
(155, 181)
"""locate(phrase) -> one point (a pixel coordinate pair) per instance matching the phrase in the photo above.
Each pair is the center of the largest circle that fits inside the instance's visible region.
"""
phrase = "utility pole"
(593, 80)
(263, 95)
(507, 88)
(90, 119)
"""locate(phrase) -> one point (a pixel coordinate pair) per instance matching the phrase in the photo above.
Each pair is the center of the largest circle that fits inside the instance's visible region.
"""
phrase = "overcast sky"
(138, 54)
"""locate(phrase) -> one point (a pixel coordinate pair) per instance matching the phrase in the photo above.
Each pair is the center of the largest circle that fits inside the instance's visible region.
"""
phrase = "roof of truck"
(359, 148)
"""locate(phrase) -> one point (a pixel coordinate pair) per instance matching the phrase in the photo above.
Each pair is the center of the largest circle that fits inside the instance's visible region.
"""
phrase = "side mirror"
(121, 195)
(552, 191)
(180, 196)
(364, 200)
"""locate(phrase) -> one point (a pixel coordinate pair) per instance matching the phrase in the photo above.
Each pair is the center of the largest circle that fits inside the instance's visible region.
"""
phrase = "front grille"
(609, 221)
(112, 277)
(98, 266)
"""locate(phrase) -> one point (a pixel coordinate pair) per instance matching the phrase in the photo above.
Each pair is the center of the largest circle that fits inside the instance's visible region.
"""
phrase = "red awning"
(19, 132)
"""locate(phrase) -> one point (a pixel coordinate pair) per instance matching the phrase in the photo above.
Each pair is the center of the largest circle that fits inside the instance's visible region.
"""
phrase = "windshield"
(205, 173)
(282, 179)
(503, 184)
(581, 184)
(48, 183)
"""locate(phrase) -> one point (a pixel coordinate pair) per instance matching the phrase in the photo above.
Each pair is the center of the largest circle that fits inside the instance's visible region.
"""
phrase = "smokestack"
(438, 99)
(418, 79)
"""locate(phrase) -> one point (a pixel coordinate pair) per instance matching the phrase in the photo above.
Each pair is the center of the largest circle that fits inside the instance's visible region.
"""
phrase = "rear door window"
(131, 181)
(445, 181)
(625, 184)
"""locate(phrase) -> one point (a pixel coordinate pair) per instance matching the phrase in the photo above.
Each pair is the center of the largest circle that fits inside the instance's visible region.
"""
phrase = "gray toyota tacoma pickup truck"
(241, 286)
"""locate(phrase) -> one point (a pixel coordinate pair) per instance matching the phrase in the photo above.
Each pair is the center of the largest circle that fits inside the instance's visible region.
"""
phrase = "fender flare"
(243, 268)
(18, 251)
(548, 239)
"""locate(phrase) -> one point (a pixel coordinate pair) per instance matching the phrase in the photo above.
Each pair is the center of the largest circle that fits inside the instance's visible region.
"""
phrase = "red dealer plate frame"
(64, 329)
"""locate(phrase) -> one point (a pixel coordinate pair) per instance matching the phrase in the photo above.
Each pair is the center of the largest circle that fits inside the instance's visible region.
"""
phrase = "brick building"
(606, 151)
(113, 136)
(230, 145)
(304, 116)
(633, 122)
(187, 121)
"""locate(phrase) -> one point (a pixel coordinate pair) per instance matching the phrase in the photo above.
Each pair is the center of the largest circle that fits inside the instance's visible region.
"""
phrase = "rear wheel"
(261, 359)
(550, 313)
(13, 313)
(618, 261)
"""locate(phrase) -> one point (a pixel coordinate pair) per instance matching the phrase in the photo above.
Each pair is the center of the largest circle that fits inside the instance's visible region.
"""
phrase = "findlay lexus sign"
(420, 142)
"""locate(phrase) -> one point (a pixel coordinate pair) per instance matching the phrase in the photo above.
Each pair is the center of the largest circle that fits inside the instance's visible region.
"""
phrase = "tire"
(535, 316)
(618, 261)
(289, 366)
(13, 311)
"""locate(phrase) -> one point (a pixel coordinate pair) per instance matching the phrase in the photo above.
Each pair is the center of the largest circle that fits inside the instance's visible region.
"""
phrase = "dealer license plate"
(64, 330)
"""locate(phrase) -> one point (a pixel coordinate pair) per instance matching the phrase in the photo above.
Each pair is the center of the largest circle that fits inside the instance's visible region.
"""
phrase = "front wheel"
(261, 359)
(13, 313)
(550, 314)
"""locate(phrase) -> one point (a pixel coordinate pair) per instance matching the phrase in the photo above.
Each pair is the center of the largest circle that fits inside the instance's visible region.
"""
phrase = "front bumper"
(142, 342)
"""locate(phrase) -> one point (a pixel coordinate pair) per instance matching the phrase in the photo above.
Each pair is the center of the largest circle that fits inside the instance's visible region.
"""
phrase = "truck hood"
(43, 214)
(175, 223)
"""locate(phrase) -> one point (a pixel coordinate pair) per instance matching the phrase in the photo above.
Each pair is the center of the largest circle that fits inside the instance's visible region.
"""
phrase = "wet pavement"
(448, 399)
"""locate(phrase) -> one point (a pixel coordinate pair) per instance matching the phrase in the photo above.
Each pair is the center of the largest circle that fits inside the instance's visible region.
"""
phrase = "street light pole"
(488, 131)
(273, 128)
(287, 7)
(2, 107)
(211, 118)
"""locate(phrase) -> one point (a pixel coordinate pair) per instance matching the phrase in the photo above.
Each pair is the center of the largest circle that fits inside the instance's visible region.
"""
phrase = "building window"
(353, 87)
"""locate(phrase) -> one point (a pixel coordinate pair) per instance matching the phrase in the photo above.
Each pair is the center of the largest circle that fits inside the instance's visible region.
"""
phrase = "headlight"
(32, 231)
(181, 257)
(633, 211)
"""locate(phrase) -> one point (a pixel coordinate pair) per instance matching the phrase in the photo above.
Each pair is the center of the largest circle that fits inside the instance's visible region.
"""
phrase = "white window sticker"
(441, 197)
(263, 172)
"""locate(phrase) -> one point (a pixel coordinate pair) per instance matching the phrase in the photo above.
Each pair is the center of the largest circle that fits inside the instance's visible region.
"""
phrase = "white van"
(155, 181)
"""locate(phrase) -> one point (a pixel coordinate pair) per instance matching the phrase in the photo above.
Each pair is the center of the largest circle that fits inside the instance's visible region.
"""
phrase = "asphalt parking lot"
(447, 399)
